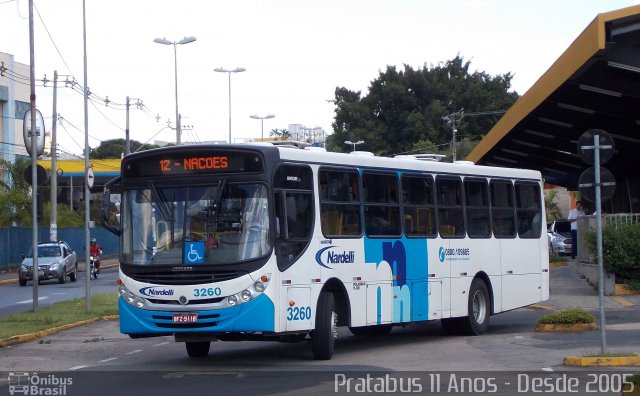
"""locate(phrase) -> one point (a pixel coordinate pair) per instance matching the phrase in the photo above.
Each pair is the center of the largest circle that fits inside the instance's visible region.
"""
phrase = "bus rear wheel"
(325, 332)
(479, 310)
(198, 349)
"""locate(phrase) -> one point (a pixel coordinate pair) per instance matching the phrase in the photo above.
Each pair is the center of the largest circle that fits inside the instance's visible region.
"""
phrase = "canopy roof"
(595, 84)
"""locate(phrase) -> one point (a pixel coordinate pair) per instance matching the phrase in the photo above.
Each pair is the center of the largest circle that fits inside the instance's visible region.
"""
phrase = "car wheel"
(63, 276)
(22, 282)
(74, 274)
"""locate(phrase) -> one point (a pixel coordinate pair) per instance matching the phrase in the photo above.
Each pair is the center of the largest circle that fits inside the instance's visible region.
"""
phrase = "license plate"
(40, 273)
(185, 317)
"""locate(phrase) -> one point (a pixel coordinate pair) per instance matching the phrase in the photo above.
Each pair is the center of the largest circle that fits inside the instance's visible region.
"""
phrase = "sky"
(295, 52)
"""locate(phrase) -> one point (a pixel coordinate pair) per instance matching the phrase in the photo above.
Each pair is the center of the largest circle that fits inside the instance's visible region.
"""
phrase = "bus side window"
(450, 209)
(339, 202)
(528, 210)
(502, 209)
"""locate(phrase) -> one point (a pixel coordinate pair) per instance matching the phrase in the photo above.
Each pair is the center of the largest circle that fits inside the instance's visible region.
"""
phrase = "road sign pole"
(596, 163)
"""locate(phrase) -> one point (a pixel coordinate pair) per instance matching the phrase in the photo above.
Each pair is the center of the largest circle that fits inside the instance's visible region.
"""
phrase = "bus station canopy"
(595, 84)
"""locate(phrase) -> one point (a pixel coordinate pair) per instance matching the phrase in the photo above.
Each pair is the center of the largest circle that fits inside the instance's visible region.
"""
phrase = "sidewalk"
(8, 277)
(568, 289)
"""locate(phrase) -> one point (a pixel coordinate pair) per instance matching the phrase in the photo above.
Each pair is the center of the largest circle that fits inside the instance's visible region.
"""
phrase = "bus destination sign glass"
(193, 163)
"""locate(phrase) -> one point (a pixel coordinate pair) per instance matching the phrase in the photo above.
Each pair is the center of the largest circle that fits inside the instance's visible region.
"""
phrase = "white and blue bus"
(264, 242)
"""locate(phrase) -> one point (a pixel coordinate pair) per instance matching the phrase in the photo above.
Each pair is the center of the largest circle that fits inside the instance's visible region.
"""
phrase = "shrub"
(569, 316)
(620, 251)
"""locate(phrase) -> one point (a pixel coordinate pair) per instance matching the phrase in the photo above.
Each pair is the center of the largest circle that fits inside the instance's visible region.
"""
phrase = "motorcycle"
(92, 266)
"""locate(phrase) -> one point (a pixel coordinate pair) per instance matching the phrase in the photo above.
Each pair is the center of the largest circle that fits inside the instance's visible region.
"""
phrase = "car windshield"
(46, 251)
(563, 227)
(220, 224)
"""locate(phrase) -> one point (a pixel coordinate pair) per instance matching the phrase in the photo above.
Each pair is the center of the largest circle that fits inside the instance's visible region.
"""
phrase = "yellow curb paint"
(624, 290)
(581, 361)
(623, 301)
(543, 307)
(566, 327)
(18, 339)
(557, 264)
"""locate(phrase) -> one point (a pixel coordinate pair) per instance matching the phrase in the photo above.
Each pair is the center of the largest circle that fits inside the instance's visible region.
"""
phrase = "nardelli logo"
(153, 292)
(334, 257)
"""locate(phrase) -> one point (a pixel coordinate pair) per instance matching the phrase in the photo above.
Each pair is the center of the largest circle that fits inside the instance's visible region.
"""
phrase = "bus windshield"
(231, 219)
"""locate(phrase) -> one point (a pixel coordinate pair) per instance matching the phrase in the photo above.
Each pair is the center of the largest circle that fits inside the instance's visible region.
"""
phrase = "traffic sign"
(38, 133)
(585, 146)
(90, 177)
(41, 175)
(587, 184)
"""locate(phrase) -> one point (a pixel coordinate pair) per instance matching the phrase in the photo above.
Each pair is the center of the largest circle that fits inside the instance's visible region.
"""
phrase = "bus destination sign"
(192, 163)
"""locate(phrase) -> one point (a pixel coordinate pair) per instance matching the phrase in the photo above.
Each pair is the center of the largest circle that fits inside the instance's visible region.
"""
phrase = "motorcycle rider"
(95, 250)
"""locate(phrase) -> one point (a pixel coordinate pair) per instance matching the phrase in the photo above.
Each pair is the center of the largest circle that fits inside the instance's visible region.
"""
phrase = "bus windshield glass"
(228, 221)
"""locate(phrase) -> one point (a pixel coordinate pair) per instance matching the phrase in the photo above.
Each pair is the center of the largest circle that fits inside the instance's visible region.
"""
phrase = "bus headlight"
(131, 298)
(251, 292)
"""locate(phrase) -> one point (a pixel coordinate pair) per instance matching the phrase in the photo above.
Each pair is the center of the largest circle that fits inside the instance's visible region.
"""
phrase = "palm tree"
(551, 206)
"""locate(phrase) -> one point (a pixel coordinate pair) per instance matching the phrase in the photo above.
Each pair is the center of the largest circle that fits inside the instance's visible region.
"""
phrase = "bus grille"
(185, 278)
(192, 302)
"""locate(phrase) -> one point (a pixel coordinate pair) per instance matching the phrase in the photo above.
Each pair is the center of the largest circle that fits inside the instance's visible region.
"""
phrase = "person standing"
(573, 216)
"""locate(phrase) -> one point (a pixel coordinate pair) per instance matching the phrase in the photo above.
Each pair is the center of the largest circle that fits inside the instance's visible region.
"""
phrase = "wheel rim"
(334, 325)
(479, 306)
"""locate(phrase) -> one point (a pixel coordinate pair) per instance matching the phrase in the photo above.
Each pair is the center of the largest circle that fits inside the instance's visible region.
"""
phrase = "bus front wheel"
(325, 332)
(479, 310)
(198, 349)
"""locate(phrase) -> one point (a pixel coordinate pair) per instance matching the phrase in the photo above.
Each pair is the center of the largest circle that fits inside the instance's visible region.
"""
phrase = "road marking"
(107, 360)
(59, 293)
(77, 368)
(162, 343)
(519, 338)
(136, 351)
(623, 301)
(547, 369)
(31, 300)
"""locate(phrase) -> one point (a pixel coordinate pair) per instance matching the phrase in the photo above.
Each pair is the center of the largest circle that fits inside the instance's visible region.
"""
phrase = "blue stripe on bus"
(410, 268)
(255, 315)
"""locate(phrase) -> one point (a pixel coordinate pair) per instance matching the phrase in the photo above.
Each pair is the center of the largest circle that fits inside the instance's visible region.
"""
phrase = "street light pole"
(255, 117)
(354, 143)
(223, 70)
(164, 41)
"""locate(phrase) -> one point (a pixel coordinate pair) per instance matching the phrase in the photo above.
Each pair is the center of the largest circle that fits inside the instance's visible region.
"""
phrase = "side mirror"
(110, 213)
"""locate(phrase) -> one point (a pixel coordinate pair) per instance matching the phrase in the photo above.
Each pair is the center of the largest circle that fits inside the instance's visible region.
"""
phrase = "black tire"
(74, 274)
(22, 282)
(95, 275)
(198, 349)
(450, 326)
(479, 309)
(63, 276)
(324, 335)
(371, 331)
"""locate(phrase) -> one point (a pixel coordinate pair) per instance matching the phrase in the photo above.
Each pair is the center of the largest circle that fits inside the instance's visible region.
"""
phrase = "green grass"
(58, 314)
(569, 316)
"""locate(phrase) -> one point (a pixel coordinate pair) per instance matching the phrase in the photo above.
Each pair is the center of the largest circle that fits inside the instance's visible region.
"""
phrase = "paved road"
(19, 299)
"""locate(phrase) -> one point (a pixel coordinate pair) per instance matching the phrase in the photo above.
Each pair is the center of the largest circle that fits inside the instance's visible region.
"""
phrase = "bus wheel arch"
(478, 308)
(341, 299)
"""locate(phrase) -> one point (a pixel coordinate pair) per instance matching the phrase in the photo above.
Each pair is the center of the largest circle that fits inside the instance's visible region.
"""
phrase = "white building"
(14, 102)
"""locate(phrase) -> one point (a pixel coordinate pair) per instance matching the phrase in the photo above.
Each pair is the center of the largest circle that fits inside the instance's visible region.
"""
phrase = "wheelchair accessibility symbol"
(194, 252)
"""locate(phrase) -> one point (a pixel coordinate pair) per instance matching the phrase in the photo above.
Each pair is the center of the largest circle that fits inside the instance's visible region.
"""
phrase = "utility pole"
(53, 228)
(453, 120)
(127, 145)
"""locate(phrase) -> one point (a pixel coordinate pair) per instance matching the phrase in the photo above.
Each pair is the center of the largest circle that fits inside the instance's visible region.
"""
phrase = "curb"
(580, 361)
(46, 332)
(566, 327)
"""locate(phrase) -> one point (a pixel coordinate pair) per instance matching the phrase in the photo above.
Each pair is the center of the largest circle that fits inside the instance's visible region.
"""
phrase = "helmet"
(93, 241)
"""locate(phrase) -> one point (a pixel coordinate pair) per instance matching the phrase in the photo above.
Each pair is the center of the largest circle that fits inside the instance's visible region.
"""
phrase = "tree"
(405, 107)
(115, 148)
(552, 210)
(15, 200)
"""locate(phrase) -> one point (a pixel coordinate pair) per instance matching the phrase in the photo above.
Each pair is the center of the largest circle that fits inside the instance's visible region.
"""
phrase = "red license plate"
(185, 317)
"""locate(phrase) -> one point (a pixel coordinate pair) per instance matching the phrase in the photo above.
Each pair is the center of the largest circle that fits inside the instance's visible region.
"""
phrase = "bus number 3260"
(298, 313)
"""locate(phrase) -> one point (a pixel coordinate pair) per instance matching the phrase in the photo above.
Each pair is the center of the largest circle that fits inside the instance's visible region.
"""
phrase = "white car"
(56, 260)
